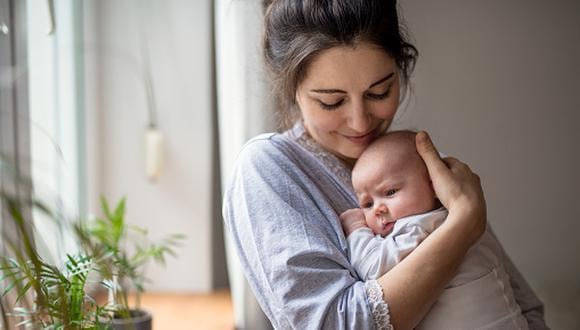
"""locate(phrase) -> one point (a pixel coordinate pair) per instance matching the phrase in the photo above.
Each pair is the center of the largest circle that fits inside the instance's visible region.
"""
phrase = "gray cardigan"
(281, 208)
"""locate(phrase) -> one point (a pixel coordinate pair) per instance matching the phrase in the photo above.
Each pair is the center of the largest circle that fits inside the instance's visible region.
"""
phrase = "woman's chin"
(353, 151)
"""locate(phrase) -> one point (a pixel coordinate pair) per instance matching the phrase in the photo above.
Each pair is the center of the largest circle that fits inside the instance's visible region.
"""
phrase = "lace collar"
(299, 134)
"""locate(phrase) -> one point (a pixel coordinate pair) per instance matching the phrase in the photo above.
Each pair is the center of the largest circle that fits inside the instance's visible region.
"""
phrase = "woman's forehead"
(348, 67)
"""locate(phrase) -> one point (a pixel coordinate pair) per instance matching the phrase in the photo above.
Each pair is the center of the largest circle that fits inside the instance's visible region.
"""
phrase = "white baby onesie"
(478, 297)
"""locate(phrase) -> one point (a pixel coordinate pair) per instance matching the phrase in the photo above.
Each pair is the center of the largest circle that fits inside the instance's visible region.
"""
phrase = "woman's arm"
(289, 242)
(294, 259)
(372, 255)
(412, 286)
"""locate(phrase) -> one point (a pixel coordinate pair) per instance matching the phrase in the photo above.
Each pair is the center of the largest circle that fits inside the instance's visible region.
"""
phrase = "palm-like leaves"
(66, 304)
(40, 295)
(107, 236)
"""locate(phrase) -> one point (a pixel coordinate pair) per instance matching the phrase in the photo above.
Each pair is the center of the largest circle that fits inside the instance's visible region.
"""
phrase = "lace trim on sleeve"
(379, 307)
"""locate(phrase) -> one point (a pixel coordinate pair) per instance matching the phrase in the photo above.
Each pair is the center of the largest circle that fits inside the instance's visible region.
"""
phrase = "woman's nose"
(359, 117)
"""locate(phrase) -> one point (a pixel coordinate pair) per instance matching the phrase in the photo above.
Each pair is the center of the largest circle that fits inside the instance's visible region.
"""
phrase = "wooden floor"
(190, 311)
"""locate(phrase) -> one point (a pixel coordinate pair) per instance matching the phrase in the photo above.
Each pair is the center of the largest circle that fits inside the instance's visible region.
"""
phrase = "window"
(53, 33)
(14, 140)
(40, 112)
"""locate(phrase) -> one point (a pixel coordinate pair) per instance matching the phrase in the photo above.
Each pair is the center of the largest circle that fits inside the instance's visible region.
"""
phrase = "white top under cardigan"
(478, 297)
(281, 207)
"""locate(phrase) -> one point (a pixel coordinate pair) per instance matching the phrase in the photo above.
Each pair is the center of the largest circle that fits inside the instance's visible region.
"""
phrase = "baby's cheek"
(399, 207)
(407, 205)
(369, 219)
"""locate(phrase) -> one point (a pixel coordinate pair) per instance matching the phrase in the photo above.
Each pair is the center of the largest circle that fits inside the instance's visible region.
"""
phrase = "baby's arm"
(372, 255)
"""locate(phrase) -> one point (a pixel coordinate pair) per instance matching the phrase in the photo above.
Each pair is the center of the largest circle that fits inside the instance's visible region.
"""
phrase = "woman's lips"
(361, 139)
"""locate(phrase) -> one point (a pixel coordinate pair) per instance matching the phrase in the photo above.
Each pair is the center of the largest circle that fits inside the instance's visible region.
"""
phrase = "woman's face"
(348, 97)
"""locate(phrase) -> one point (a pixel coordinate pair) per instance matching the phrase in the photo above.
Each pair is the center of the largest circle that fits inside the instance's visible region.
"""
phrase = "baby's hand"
(352, 220)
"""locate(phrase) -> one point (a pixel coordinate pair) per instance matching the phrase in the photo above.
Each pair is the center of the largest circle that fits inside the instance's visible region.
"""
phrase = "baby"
(400, 210)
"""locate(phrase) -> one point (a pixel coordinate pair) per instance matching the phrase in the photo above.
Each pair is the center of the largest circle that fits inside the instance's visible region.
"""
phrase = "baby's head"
(391, 181)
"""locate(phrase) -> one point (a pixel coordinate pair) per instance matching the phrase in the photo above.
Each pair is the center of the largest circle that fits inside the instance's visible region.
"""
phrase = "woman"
(338, 69)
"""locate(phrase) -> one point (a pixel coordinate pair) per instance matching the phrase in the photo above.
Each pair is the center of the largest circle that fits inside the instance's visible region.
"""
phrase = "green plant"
(129, 251)
(38, 294)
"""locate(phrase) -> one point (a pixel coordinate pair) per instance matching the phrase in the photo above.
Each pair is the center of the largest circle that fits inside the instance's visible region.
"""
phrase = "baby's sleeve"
(372, 255)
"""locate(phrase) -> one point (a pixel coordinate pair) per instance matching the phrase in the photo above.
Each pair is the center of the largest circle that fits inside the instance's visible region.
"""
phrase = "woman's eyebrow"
(336, 91)
(328, 91)
(382, 80)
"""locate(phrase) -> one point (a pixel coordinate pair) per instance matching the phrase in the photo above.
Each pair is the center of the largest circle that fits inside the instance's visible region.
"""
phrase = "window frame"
(14, 126)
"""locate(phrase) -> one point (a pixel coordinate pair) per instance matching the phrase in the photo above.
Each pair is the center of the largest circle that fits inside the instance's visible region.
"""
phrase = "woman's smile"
(363, 139)
(359, 87)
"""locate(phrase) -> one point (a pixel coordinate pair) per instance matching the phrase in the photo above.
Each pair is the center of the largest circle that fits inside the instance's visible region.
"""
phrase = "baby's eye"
(391, 192)
(367, 205)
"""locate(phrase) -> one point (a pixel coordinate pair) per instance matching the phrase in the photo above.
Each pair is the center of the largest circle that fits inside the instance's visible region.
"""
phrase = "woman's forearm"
(412, 286)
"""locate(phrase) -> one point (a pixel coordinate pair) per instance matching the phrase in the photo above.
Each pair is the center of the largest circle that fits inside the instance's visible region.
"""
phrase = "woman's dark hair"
(297, 30)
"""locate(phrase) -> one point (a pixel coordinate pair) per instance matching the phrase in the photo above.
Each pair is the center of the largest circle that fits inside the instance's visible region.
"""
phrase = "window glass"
(54, 88)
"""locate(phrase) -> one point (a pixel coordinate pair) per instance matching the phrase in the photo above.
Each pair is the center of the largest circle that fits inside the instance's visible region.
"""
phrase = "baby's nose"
(381, 209)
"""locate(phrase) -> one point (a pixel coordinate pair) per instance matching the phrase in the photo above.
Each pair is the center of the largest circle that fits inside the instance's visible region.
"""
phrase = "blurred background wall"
(177, 35)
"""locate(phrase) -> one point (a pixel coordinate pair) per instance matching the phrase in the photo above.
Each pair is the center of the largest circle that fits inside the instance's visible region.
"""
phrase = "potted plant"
(128, 251)
(36, 293)
(39, 294)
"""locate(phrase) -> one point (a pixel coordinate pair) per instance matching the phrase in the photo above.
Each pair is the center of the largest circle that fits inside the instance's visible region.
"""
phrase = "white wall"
(179, 202)
(497, 86)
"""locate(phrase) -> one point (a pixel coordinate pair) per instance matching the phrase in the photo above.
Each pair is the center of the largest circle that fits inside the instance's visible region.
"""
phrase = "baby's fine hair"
(406, 135)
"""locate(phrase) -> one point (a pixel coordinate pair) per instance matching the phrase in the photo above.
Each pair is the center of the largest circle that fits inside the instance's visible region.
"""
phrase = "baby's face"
(392, 182)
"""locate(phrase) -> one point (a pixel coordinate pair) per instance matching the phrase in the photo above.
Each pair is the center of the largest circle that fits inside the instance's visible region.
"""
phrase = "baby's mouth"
(387, 224)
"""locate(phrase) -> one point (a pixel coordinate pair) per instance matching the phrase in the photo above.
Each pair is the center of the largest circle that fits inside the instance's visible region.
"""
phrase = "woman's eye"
(333, 106)
(379, 96)
(391, 192)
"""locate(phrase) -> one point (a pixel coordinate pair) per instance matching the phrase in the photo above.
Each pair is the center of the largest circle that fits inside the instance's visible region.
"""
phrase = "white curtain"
(244, 110)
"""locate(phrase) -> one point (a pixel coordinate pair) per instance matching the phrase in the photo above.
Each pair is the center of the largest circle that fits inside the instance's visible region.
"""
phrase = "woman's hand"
(456, 186)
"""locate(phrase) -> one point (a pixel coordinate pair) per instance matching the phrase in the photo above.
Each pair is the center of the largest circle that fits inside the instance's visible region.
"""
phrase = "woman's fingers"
(450, 161)
(430, 155)
(455, 184)
(455, 165)
(453, 181)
